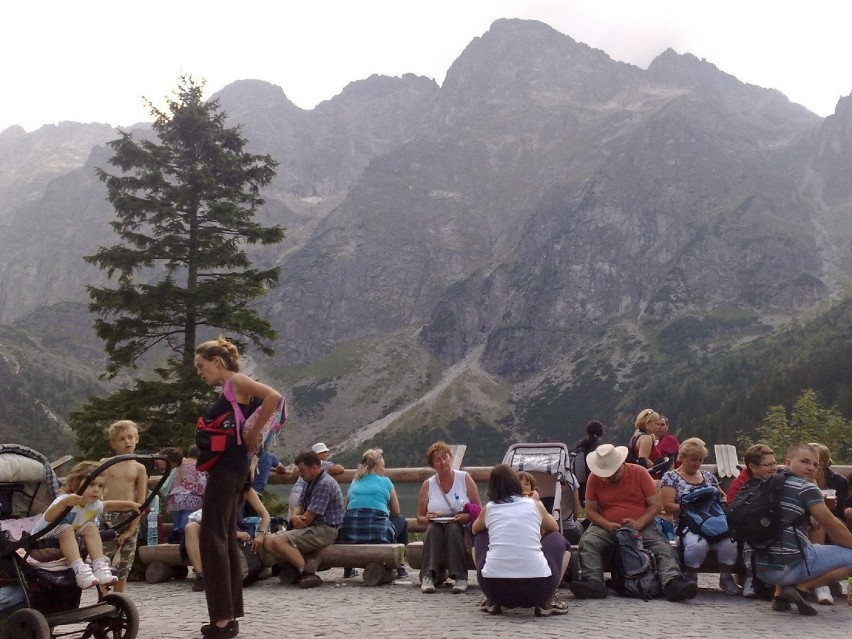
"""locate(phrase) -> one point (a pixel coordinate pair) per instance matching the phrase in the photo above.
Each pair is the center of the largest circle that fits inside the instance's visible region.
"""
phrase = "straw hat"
(606, 459)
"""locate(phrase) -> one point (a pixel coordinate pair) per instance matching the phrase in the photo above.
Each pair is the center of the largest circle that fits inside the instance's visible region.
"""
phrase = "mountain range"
(504, 256)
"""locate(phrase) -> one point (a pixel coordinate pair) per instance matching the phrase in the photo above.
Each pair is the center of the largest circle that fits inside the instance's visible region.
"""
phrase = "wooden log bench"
(163, 563)
(414, 557)
(378, 561)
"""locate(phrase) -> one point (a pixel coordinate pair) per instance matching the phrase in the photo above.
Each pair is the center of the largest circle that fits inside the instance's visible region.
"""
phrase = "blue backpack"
(702, 513)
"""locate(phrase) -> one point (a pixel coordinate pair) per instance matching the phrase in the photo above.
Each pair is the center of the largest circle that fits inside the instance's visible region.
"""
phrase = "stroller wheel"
(124, 624)
(26, 623)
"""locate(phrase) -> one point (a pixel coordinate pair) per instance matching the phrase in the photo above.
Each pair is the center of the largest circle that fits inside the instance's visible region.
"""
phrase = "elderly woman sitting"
(445, 504)
(520, 553)
(372, 513)
(676, 485)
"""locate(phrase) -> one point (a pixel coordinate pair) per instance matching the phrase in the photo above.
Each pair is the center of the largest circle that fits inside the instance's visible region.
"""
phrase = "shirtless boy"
(125, 481)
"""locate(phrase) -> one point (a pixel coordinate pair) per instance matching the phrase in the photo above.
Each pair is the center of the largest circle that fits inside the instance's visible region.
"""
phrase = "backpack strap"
(228, 392)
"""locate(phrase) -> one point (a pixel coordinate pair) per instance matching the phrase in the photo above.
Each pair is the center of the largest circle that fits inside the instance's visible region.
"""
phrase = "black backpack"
(577, 464)
(634, 568)
(754, 516)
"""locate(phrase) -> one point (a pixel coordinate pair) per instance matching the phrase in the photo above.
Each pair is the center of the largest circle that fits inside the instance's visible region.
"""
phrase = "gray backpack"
(634, 569)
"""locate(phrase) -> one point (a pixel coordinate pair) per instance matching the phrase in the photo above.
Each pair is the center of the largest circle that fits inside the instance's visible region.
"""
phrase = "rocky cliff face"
(544, 193)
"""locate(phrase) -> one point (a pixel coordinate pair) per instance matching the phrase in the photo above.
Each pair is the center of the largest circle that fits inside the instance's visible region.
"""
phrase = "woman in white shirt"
(520, 553)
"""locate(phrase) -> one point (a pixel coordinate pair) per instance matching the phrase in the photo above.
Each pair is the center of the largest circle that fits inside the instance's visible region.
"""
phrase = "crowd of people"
(520, 551)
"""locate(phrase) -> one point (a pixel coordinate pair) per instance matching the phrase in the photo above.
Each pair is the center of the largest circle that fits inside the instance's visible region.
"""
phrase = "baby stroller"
(38, 590)
(548, 464)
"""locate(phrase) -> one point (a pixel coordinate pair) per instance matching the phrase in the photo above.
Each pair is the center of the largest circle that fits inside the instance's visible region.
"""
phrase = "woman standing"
(372, 511)
(217, 362)
(520, 554)
(441, 505)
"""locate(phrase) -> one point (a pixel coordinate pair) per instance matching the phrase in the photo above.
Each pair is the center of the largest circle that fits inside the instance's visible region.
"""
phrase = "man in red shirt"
(617, 495)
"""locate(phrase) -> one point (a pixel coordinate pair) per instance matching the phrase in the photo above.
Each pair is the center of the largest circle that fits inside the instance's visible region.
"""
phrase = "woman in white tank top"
(520, 553)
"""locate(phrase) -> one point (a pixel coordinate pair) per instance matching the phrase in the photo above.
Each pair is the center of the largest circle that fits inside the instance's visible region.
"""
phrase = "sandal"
(553, 607)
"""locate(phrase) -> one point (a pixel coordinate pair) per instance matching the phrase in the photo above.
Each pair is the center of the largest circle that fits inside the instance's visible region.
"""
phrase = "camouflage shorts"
(121, 557)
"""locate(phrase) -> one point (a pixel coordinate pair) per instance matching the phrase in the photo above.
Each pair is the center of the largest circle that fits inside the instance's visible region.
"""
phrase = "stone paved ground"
(345, 608)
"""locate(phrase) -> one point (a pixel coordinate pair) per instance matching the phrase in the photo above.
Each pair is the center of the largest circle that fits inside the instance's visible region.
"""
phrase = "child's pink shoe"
(102, 572)
(83, 575)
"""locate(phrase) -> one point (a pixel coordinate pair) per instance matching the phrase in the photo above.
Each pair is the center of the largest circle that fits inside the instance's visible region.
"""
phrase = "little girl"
(528, 485)
(82, 522)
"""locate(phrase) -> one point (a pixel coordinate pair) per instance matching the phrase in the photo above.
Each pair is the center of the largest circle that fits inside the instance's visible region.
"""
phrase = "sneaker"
(460, 586)
(309, 581)
(427, 585)
(83, 575)
(748, 588)
(588, 589)
(680, 588)
(401, 573)
(823, 596)
(198, 584)
(728, 585)
(102, 572)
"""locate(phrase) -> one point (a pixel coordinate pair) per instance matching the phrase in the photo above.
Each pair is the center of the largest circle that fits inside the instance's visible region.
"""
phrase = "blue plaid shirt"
(326, 500)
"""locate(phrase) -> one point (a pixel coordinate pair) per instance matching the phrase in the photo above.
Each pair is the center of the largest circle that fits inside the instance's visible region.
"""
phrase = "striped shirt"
(799, 494)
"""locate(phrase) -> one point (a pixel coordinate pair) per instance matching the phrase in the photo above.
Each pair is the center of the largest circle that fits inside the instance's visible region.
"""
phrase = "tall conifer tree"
(184, 206)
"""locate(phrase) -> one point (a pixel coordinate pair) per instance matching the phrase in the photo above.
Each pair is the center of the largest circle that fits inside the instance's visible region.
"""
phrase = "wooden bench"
(414, 557)
(379, 561)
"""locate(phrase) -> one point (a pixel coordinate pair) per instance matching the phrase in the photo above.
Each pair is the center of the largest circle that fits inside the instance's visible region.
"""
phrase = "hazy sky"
(93, 61)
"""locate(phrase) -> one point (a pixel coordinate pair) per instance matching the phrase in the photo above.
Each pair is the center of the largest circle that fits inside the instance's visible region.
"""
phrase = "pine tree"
(184, 204)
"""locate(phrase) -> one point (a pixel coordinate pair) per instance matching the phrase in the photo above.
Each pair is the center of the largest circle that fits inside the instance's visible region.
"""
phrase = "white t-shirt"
(78, 516)
(514, 541)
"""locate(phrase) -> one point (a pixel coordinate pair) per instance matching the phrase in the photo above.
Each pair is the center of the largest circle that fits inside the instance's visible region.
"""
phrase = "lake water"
(406, 493)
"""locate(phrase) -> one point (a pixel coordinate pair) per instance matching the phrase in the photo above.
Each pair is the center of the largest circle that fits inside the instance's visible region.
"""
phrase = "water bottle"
(153, 512)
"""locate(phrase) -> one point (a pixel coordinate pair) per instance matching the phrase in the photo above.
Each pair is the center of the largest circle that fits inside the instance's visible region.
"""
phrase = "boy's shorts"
(121, 557)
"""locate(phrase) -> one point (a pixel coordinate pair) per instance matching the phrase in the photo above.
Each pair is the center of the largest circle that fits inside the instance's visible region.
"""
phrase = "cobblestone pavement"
(346, 608)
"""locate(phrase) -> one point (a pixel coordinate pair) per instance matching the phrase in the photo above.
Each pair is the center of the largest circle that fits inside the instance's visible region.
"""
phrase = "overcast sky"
(93, 61)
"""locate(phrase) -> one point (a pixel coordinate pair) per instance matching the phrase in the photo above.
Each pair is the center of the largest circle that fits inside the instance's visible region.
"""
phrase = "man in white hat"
(619, 494)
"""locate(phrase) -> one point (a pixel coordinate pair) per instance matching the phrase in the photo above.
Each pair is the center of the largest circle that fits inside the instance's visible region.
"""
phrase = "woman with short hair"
(444, 506)
(675, 486)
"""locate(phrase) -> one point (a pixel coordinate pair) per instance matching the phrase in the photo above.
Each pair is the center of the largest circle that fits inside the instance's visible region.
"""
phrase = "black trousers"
(220, 551)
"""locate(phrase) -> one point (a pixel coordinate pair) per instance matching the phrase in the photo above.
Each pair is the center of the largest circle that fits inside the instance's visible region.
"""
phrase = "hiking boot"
(83, 575)
(588, 589)
(748, 588)
(779, 604)
(680, 588)
(198, 584)
(792, 595)
(102, 572)
(728, 585)
(460, 586)
(309, 581)
(427, 585)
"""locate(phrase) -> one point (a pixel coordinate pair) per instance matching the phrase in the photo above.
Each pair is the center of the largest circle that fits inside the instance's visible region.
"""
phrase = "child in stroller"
(81, 523)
